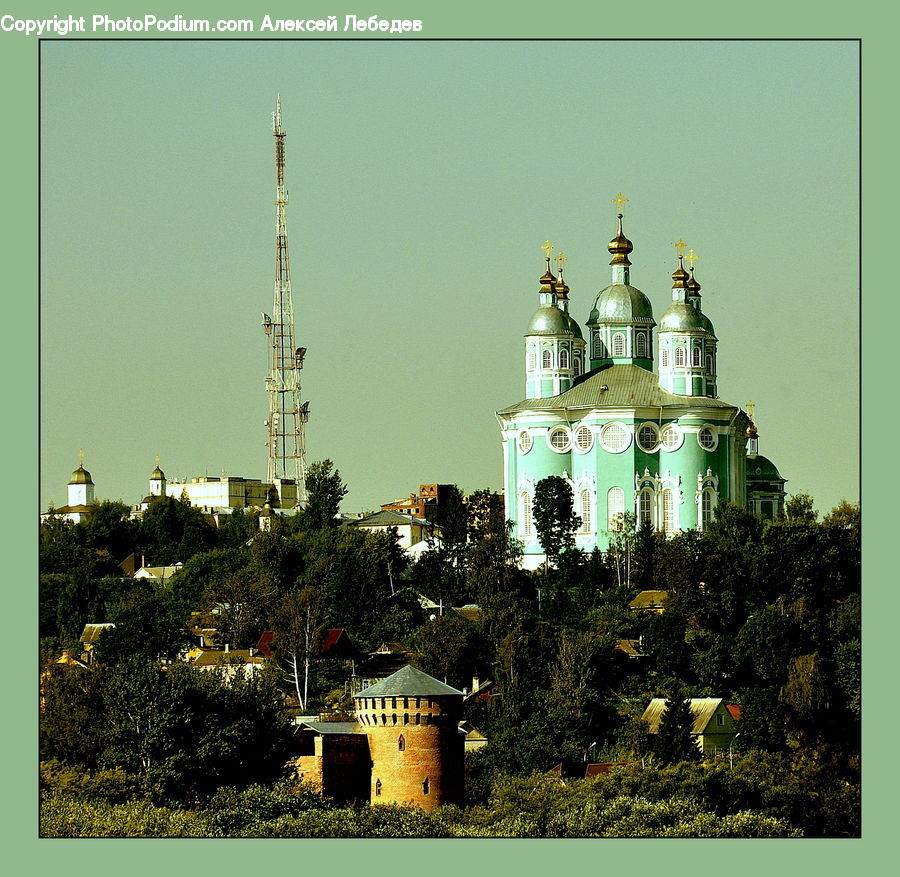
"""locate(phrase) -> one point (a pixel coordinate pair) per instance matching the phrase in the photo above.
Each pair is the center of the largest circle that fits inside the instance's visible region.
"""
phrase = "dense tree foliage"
(763, 614)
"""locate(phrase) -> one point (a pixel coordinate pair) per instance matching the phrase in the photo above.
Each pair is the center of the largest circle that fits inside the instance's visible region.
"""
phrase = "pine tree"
(674, 742)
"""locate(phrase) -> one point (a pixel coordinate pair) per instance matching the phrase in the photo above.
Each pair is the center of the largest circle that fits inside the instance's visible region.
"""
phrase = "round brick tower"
(412, 721)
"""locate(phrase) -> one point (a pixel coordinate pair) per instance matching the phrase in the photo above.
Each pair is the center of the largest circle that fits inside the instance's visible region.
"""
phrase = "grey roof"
(702, 709)
(333, 727)
(549, 320)
(628, 386)
(408, 681)
(621, 303)
(386, 518)
(682, 317)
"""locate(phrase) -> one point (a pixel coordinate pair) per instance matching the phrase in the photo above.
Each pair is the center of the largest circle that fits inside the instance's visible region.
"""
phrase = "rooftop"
(408, 681)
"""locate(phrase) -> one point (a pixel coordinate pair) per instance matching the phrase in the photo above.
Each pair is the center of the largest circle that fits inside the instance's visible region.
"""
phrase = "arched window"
(401, 743)
(564, 358)
(645, 507)
(532, 359)
(706, 507)
(696, 356)
(618, 344)
(526, 514)
(679, 356)
(405, 718)
(664, 357)
(394, 719)
(576, 363)
(709, 364)
(599, 348)
(640, 344)
(425, 788)
(383, 719)
(668, 510)
(377, 788)
(615, 508)
(585, 508)
(546, 359)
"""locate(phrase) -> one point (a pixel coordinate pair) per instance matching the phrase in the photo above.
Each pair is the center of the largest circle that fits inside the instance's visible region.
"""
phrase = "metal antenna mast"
(287, 416)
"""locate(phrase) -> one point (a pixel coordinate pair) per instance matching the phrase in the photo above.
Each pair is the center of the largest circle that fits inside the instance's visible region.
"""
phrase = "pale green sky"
(424, 176)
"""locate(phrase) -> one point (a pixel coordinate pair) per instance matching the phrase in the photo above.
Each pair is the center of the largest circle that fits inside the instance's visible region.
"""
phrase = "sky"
(423, 178)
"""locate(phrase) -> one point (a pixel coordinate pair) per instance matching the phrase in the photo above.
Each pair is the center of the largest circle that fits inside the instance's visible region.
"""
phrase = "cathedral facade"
(630, 433)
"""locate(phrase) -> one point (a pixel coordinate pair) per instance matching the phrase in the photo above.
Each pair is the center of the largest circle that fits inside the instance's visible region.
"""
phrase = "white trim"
(671, 428)
(524, 434)
(655, 429)
(712, 431)
(606, 428)
(575, 444)
(555, 430)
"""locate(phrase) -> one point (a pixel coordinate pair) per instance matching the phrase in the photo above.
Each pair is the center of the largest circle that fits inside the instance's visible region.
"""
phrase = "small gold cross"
(157, 460)
(751, 407)
(561, 260)
(692, 257)
(81, 457)
(679, 246)
(619, 201)
(546, 247)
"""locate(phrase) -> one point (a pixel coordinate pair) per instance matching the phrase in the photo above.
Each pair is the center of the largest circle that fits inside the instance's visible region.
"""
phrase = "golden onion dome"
(693, 285)
(157, 475)
(620, 246)
(680, 276)
(751, 431)
(81, 476)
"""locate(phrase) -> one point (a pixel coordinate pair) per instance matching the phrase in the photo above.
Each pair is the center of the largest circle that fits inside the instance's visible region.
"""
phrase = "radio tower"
(286, 415)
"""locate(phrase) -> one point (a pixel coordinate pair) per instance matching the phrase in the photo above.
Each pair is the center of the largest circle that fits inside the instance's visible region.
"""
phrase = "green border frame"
(651, 19)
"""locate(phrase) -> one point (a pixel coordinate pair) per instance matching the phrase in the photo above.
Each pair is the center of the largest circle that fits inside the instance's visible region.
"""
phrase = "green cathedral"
(627, 438)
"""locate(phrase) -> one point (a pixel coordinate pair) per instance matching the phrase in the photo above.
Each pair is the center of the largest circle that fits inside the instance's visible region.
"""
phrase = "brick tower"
(412, 722)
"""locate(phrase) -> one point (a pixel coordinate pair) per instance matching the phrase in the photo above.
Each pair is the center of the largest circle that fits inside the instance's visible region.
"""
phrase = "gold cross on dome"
(561, 260)
(692, 257)
(751, 407)
(546, 247)
(81, 457)
(619, 201)
(157, 459)
(679, 247)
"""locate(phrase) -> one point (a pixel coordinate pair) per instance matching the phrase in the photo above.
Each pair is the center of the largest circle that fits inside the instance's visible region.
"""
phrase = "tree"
(674, 742)
(554, 515)
(447, 647)
(299, 626)
(799, 509)
(324, 492)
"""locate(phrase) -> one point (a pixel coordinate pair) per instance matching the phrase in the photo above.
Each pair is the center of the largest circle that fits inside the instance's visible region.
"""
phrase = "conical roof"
(408, 681)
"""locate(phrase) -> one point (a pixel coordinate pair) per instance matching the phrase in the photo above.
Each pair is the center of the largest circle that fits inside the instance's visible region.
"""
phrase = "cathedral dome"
(682, 317)
(550, 320)
(761, 468)
(621, 303)
(81, 476)
(157, 475)
(573, 325)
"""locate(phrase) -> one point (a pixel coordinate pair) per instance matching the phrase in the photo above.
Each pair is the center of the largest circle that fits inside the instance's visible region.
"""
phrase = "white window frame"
(547, 358)
(664, 357)
(559, 430)
(671, 428)
(619, 343)
(712, 431)
(564, 357)
(615, 508)
(585, 503)
(524, 438)
(679, 350)
(655, 429)
(606, 429)
(577, 433)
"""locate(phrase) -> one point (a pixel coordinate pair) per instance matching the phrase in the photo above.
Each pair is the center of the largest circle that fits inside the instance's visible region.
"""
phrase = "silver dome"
(621, 303)
(550, 320)
(682, 317)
